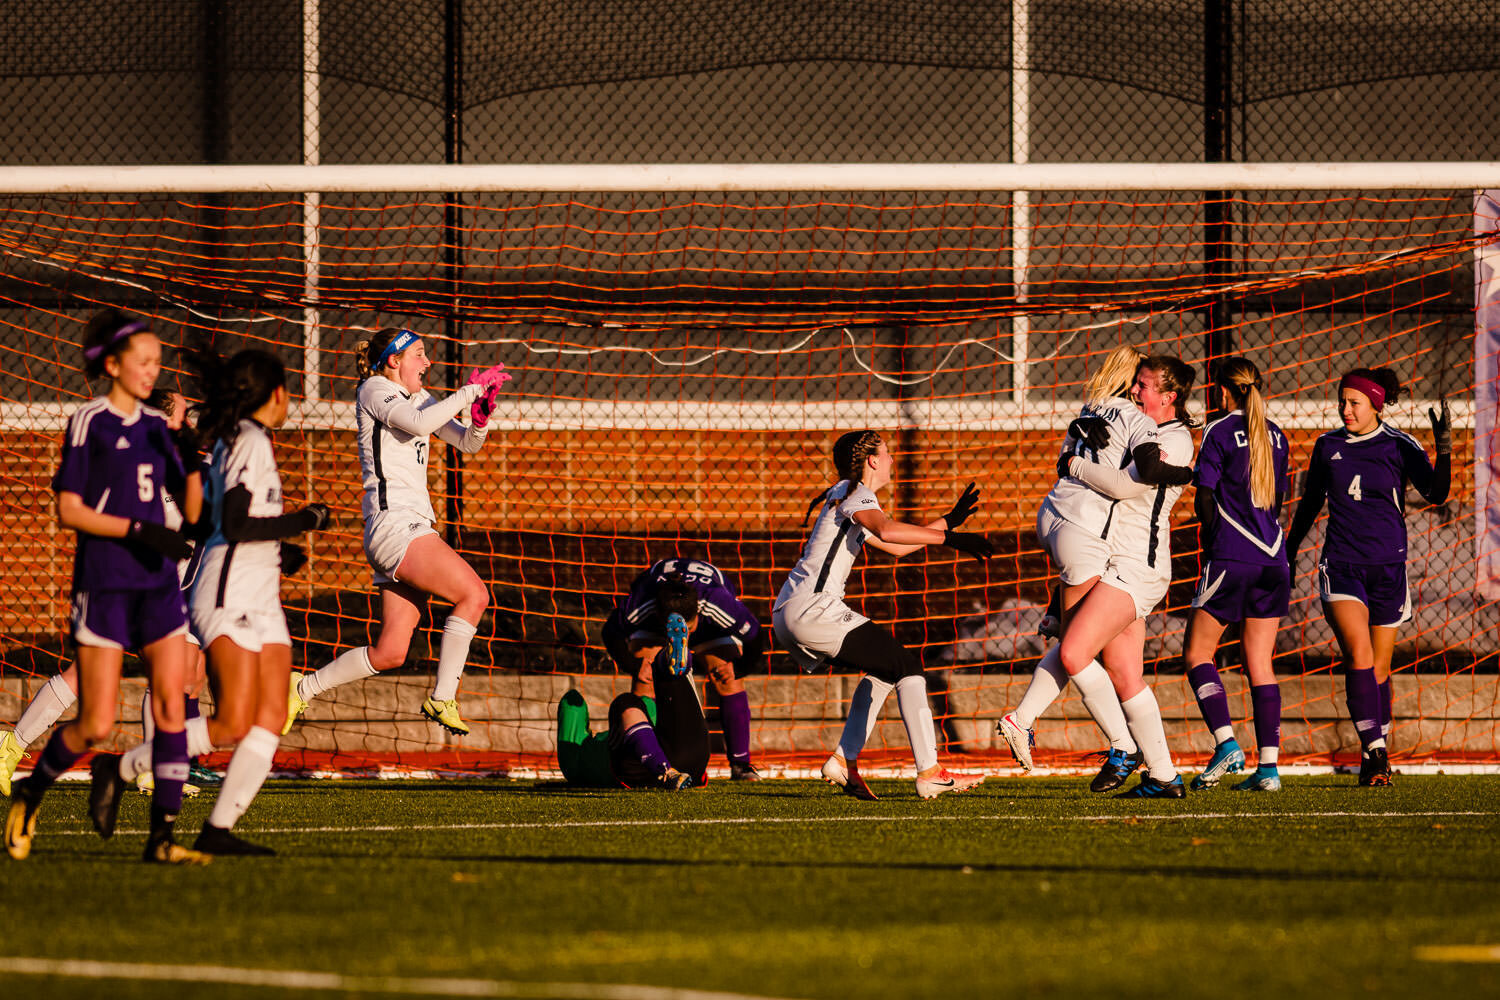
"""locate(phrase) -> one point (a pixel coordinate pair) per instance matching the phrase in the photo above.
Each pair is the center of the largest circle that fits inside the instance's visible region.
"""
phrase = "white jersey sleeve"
(834, 544)
(1077, 501)
(1142, 526)
(394, 427)
(241, 574)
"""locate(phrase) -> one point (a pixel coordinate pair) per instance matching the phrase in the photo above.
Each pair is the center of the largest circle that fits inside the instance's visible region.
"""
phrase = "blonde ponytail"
(1242, 380)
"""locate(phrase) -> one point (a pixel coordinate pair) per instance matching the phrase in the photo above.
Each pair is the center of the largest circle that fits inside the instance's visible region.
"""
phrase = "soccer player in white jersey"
(1073, 525)
(1138, 572)
(395, 417)
(815, 626)
(236, 594)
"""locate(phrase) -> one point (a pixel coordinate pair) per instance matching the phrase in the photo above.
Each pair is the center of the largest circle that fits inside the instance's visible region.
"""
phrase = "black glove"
(1064, 462)
(963, 507)
(1092, 431)
(293, 558)
(1442, 428)
(315, 516)
(1291, 560)
(160, 538)
(969, 543)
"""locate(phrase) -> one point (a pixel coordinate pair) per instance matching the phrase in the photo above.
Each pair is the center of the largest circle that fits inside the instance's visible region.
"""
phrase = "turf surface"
(783, 888)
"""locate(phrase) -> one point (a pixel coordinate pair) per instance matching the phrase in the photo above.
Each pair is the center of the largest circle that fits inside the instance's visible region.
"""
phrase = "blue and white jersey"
(1244, 532)
(121, 465)
(1364, 478)
(834, 544)
(720, 613)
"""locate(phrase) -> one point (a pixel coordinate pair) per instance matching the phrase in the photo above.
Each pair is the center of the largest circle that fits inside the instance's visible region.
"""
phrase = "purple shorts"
(1380, 587)
(1232, 591)
(127, 619)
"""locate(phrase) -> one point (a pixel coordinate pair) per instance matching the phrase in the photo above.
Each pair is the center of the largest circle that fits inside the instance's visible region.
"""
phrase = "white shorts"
(1146, 585)
(813, 629)
(246, 629)
(1078, 553)
(388, 535)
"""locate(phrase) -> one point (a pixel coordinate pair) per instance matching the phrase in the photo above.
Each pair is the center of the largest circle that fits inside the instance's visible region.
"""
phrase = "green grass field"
(1025, 886)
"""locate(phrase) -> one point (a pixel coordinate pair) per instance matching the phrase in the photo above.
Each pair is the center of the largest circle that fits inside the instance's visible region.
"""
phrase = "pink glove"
(495, 376)
(483, 407)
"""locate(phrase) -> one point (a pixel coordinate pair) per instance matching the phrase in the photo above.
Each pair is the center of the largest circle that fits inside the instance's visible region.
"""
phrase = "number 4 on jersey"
(1354, 489)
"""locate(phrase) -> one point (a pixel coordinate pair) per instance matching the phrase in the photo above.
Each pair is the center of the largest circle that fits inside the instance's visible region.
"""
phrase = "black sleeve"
(1207, 512)
(1152, 471)
(1432, 482)
(239, 526)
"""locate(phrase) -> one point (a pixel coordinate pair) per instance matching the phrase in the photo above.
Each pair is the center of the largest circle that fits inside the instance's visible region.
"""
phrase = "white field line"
(780, 820)
(291, 979)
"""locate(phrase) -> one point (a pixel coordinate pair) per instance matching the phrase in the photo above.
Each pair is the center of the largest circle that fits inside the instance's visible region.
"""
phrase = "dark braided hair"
(849, 454)
(106, 335)
(231, 390)
(675, 594)
(367, 352)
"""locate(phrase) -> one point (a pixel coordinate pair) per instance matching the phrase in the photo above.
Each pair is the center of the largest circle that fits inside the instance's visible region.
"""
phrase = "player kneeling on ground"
(659, 741)
(722, 636)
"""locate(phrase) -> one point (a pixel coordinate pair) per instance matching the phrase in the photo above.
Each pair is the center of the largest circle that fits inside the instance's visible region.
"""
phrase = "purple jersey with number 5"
(1364, 478)
(1244, 532)
(119, 465)
(720, 612)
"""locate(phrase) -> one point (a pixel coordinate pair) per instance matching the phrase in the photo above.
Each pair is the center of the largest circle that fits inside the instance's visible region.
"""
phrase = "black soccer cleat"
(1150, 788)
(106, 787)
(217, 840)
(1375, 769)
(1118, 766)
(743, 772)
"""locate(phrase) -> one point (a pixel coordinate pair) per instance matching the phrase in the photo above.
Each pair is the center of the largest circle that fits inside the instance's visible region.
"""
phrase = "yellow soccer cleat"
(295, 705)
(166, 851)
(145, 783)
(11, 755)
(445, 714)
(20, 824)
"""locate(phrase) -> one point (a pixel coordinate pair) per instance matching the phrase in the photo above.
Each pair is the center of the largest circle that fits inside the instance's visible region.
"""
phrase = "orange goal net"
(684, 360)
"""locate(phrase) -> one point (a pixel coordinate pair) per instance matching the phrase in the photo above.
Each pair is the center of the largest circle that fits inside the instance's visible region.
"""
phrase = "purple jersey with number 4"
(1364, 478)
(720, 612)
(1244, 532)
(119, 465)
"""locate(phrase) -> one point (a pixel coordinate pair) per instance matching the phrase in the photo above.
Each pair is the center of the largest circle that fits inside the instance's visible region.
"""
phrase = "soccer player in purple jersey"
(1361, 472)
(118, 456)
(1241, 484)
(723, 635)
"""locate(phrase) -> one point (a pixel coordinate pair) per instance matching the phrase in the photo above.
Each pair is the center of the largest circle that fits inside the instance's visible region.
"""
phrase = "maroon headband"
(1367, 386)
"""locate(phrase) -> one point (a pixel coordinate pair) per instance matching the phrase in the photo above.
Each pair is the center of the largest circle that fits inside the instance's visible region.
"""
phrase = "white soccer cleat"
(835, 771)
(946, 781)
(1019, 740)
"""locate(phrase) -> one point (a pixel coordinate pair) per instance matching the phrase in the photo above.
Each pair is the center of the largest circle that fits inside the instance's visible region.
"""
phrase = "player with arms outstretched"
(118, 457)
(1241, 484)
(1361, 472)
(395, 417)
(816, 627)
(724, 636)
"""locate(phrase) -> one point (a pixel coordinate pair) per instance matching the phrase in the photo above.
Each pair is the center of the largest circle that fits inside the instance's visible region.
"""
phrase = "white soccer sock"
(46, 708)
(1047, 682)
(452, 655)
(1099, 698)
(1269, 756)
(1145, 724)
(916, 714)
(247, 772)
(864, 711)
(148, 716)
(350, 665)
(137, 760)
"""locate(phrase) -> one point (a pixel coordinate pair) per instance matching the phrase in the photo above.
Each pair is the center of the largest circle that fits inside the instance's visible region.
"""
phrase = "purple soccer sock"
(169, 767)
(1362, 695)
(1265, 701)
(56, 759)
(1385, 706)
(640, 740)
(191, 709)
(1209, 691)
(734, 709)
